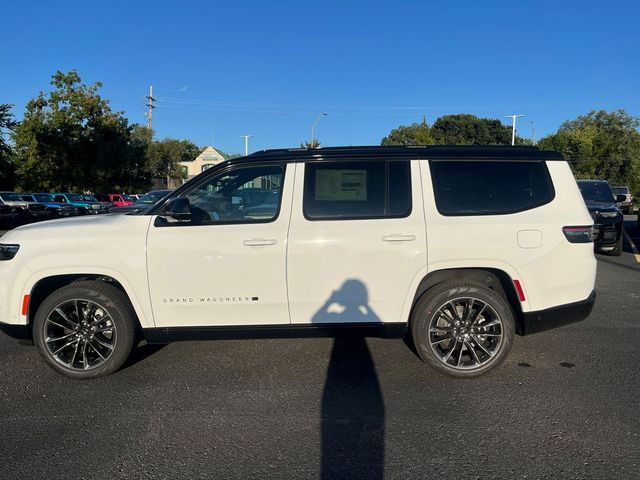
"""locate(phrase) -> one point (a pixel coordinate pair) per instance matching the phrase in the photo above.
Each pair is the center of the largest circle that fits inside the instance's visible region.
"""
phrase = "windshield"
(12, 197)
(43, 197)
(89, 198)
(620, 190)
(74, 197)
(596, 191)
(153, 197)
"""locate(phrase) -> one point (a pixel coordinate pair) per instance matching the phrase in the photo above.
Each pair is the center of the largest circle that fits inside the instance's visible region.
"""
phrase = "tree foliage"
(458, 129)
(164, 155)
(70, 139)
(414, 134)
(602, 145)
(7, 167)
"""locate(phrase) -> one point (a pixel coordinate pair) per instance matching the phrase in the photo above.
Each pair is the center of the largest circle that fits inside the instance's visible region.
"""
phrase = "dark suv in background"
(607, 217)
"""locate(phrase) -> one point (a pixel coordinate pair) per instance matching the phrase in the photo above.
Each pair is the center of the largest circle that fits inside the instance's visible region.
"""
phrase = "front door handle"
(398, 238)
(259, 242)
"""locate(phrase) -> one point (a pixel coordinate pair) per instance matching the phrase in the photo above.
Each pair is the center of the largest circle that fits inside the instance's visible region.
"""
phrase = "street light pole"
(313, 127)
(513, 127)
(246, 143)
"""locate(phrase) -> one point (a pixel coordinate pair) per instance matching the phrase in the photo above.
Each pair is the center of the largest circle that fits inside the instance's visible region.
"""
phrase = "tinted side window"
(240, 195)
(348, 190)
(490, 187)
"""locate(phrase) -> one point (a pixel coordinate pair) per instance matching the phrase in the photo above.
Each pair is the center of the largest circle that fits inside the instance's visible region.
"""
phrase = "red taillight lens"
(25, 305)
(519, 290)
(579, 234)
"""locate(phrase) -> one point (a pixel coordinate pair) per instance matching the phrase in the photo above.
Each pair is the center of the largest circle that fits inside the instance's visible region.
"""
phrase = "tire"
(617, 250)
(486, 339)
(92, 349)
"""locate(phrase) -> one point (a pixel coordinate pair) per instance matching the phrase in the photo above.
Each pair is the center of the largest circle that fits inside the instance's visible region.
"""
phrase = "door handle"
(259, 242)
(398, 238)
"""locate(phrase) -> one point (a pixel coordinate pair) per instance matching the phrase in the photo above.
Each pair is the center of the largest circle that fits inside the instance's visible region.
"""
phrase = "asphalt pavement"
(563, 405)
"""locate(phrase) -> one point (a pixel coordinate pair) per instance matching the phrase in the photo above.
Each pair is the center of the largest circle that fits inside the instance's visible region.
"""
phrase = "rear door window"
(357, 190)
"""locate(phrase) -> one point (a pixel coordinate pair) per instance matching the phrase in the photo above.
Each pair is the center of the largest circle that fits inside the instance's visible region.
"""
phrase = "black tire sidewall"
(435, 297)
(108, 297)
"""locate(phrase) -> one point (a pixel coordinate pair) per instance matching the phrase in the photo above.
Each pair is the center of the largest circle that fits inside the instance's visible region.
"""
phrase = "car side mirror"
(621, 198)
(177, 210)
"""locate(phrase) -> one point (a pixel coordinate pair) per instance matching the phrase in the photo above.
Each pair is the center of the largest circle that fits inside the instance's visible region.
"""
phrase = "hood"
(102, 226)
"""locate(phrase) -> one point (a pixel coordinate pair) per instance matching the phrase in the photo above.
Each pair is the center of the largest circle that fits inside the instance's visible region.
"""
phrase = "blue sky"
(225, 69)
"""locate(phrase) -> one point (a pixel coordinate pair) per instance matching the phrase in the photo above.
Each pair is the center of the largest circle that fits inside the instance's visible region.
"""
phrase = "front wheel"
(462, 328)
(85, 330)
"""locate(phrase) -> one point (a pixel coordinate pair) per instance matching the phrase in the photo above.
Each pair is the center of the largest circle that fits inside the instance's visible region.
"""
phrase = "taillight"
(579, 234)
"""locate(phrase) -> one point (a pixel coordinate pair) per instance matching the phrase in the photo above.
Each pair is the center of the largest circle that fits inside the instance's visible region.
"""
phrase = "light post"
(246, 143)
(513, 127)
(313, 127)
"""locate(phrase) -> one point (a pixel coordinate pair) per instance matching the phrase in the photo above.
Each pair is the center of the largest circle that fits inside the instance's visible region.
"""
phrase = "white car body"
(283, 272)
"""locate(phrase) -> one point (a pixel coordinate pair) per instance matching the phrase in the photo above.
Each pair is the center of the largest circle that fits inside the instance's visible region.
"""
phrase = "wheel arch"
(49, 284)
(494, 278)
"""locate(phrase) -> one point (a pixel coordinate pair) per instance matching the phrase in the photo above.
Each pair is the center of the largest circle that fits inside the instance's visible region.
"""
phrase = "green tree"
(7, 167)
(164, 157)
(458, 129)
(602, 145)
(70, 139)
(414, 134)
(313, 144)
(467, 129)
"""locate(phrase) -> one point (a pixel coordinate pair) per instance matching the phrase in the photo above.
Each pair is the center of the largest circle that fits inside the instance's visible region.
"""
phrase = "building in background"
(207, 159)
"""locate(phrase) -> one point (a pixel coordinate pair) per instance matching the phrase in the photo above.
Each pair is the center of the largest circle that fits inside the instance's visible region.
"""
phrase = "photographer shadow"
(353, 416)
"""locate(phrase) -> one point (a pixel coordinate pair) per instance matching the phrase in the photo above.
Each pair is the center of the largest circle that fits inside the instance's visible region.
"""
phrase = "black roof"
(448, 152)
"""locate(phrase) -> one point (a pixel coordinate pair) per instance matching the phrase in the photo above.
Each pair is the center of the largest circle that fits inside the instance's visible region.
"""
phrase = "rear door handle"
(398, 238)
(259, 242)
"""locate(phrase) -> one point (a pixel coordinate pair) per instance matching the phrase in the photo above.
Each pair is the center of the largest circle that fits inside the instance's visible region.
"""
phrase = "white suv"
(460, 247)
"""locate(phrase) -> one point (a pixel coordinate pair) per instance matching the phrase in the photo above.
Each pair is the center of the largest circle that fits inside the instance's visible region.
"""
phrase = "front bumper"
(534, 322)
(22, 333)
(607, 234)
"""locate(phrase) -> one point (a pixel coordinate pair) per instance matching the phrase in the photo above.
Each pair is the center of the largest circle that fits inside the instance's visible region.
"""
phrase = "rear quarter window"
(490, 187)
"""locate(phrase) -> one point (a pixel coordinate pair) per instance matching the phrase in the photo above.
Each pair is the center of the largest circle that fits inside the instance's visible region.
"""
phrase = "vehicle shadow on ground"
(141, 353)
(352, 413)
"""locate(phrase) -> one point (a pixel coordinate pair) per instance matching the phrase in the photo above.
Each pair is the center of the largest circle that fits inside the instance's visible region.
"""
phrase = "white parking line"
(633, 247)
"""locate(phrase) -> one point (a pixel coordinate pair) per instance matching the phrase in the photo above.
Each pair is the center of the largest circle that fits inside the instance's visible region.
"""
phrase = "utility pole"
(533, 129)
(313, 127)
(151, 107)
(246, 143)
(513, 127)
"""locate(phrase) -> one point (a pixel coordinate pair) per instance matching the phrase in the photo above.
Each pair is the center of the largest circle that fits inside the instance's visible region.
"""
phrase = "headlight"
(7, 252)
(608, 214)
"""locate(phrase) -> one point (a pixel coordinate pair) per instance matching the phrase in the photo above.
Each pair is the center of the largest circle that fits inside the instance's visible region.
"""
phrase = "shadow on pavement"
(353, 419)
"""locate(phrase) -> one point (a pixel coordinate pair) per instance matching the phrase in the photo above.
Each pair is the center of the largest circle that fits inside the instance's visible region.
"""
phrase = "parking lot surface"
(564, 404)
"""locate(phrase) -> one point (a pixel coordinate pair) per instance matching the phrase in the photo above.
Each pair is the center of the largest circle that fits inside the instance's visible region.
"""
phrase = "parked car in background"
(626, 204)
(57, 209)
(145, 202)
(84, 207)
(8, 217)
(114, 198)
(28, 211)
(104, 206)
(607, 217)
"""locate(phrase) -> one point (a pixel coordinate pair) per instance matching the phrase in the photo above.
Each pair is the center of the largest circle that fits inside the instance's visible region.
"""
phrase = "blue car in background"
(83, 206)
(57, 209)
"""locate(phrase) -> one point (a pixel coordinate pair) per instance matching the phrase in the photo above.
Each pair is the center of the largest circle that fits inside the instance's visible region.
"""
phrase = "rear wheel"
(617, 250)
(462, 328)
(85, 330)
